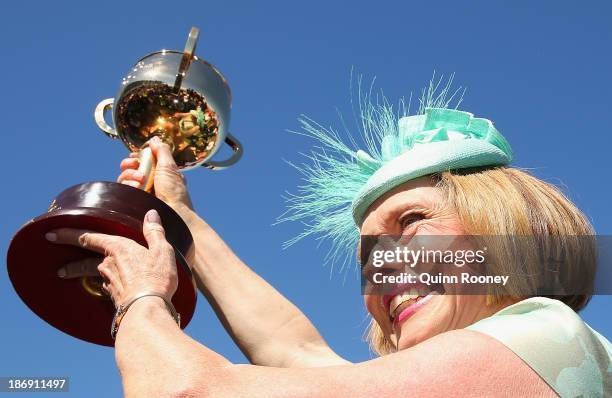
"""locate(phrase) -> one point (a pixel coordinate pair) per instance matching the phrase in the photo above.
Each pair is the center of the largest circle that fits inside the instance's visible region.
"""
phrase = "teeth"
(400, 298)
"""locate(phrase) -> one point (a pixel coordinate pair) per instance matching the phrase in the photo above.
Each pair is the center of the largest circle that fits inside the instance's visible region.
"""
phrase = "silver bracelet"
(122, 309)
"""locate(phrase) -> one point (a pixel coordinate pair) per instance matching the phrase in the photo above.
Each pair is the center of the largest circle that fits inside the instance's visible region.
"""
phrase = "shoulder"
(531, 318)
(556, 343)
(480, 364)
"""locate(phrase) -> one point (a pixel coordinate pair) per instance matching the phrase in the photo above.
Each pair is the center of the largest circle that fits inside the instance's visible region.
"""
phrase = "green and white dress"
(556, 343)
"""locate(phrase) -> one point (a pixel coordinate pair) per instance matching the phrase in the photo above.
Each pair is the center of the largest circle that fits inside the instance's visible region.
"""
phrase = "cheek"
(443, 222)
(437, 318)
(441, 226)
(452, 312)
(372, 303)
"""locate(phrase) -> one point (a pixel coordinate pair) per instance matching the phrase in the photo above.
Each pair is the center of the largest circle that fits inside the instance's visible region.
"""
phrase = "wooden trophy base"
(77, 306)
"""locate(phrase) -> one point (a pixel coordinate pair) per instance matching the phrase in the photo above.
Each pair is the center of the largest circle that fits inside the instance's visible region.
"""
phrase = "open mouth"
(407, 302)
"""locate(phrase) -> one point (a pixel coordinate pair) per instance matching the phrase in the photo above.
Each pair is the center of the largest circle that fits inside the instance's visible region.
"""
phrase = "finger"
(134, 154)
(106, 288)
(163, 155)
(111, 292)
(108, 270)
(112, 270)
(97, 242)
(84, 267)
(132, 183)
(131, 175)
(129, 163)
(153, 230)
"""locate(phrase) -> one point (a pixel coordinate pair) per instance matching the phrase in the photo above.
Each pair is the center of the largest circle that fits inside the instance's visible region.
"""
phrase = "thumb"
(153, 230)
(84, 267)
(162, 153)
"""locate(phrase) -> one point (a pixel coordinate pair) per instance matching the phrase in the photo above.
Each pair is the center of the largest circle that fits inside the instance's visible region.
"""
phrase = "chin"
(410, 337)
(425, 324)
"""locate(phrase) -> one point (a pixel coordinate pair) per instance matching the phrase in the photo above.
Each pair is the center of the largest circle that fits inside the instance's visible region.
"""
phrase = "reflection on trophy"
(173, 95)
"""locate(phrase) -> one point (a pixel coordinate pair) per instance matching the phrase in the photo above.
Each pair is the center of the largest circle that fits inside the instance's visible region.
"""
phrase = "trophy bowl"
(173, 95)
(180, 98)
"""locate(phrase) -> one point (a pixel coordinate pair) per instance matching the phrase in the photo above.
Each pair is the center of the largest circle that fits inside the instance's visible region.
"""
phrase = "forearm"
(267, 327)
(155, 357)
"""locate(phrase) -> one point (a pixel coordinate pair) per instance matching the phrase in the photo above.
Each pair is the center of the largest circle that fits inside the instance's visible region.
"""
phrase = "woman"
(503, 343)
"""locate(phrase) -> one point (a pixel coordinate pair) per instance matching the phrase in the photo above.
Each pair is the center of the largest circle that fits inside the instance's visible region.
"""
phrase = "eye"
(410, 219)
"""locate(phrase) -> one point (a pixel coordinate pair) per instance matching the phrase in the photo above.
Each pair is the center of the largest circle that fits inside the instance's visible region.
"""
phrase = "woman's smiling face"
(418, 208)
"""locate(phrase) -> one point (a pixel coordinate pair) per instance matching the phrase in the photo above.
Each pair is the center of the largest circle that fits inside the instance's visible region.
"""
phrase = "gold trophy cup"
(186, 102)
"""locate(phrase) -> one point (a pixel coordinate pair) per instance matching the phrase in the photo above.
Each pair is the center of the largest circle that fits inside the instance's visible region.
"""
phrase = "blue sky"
(539, 70)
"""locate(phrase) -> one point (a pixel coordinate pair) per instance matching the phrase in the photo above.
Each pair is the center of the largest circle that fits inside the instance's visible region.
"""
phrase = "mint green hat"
(341, 181)
(440, 140)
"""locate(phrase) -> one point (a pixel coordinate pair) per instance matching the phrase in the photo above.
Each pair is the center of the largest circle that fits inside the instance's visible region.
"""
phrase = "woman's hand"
(128, 268)
(169, 183)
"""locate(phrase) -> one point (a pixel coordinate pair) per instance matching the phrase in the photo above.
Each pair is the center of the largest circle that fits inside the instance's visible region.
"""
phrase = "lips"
(413, 288)
(407, 309)
(399, 301)
(408, 300)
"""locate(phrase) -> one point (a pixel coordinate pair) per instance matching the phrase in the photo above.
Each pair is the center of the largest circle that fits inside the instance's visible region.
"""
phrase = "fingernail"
(51, 236)
(131, 183)
(153, 216)
(139, 174)
(156, 139)
(61, 272)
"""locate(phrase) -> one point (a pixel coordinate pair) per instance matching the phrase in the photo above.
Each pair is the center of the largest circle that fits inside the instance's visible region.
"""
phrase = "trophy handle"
(236, 147)
(103, 106)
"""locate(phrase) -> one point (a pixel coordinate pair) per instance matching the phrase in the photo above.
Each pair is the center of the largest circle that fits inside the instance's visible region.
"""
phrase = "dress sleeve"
(554, 341)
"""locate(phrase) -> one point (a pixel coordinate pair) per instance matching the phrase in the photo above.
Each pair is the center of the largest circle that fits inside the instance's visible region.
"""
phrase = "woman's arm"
(156, 358)
(267, 327)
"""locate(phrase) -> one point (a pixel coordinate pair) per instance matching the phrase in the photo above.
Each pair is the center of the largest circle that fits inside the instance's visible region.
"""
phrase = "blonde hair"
(505, 201)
